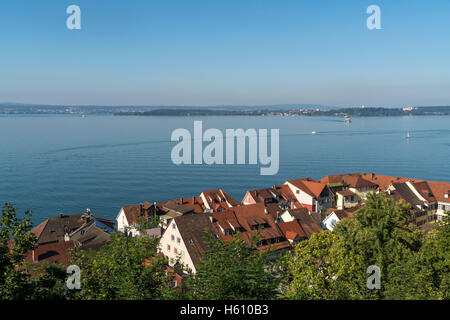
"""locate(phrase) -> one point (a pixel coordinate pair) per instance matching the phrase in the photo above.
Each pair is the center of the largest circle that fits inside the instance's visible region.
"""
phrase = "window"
(173, 226)
(175, 250)
(182, 254)
(172, 237)
(178, 240)
(168, 247)
(248, 199)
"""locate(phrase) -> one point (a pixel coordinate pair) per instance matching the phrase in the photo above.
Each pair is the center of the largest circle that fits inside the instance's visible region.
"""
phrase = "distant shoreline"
(227, 111)
(349, 112)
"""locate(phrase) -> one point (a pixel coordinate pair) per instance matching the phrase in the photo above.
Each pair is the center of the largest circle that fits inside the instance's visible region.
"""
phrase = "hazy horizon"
(203, 53)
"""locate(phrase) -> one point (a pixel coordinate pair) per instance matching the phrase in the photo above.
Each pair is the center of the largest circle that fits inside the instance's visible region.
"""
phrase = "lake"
(53, 164)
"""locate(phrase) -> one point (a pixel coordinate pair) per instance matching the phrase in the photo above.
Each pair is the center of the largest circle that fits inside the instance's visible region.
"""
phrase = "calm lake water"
(51, 164)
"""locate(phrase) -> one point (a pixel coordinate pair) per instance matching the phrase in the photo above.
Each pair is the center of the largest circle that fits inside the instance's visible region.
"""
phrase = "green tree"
(144, 224)
(19, 280)
(333, 265)
(321, 269)
(125, 268)
(424, 274)
(234, 270)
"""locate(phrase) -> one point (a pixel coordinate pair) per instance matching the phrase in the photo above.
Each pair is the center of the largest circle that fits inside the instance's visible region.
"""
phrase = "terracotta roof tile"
(308, 185)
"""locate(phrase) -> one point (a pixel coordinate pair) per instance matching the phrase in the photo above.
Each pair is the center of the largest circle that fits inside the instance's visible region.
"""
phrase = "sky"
(225, 52)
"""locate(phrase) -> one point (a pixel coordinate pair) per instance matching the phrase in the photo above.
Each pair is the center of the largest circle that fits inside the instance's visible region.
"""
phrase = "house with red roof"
(355, 182)
(420, 198)
(441, 191)
(347, 199)
(129, 217)
(249, 221)
(293, 232)
(311, 194)
(56, 235)
(218, 200)
(184, 242)
(281, 195)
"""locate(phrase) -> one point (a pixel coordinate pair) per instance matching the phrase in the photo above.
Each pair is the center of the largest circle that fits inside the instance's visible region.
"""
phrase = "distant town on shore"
(266, 110)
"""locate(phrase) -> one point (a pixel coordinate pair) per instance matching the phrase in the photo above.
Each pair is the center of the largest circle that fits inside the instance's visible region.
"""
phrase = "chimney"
(292, 204)
(372, 175)
(60, 214)
(34, 255)
(193, 200)
(145, 214)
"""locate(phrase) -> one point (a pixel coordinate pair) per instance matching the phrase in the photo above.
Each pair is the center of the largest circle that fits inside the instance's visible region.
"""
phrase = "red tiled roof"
(194, 204)
(425, 191)
(354, 180)
(249, 216)
(219, 199)
(383, 181)
(341, 214)
(276, 194)
(346, 193)
(51, 252)
(292, 230)
(132, 213)
(311, 187)
(440, 189)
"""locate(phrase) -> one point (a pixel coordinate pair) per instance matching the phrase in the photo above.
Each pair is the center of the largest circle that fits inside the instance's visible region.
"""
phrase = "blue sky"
(213, 52)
